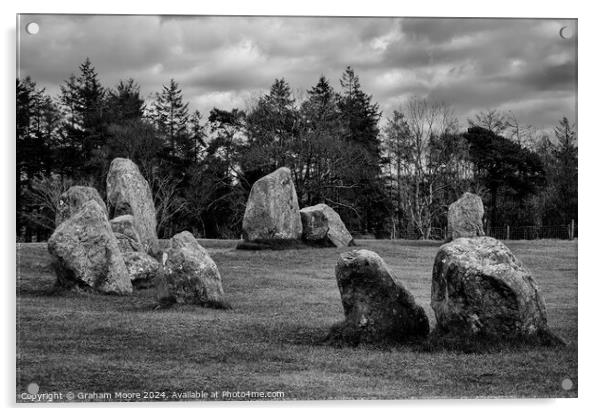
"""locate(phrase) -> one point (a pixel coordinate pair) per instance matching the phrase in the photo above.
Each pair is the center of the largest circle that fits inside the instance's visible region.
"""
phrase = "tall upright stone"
(128, 193)
(85, 253)
(378, 308)
(73, 199)
(272, 211)
(480, 288)
(465, 217)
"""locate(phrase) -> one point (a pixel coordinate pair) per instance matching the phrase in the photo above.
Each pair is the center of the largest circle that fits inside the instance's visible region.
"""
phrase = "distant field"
(284, 303)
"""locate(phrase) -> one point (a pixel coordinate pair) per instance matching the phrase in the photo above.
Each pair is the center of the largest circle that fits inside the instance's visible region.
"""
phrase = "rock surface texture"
(272, 210)
(128, 193)
(465, 217)
(190, 275)
(142, 268)
(86, 255)
(73, 199)
(480, 288)
(125, 231)
(320, 222)
(377, 307)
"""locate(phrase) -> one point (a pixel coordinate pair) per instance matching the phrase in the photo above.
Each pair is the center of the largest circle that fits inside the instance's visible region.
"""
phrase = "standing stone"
(73, 199)
(190, 275)
(126, 234)
(320, 222)
(85, 253)
(128, 193)
(272, 211)
(377, 307)
(465, 217)
(480, 288)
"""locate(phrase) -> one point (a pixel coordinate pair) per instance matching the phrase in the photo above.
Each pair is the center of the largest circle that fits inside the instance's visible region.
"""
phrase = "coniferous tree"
(330, 164)
(197, 137)
(506, 169)
(360, 119)
(124, 103)
(170, 115)
(565, 177)
(272, 126)
(38, 120)
(85, 124)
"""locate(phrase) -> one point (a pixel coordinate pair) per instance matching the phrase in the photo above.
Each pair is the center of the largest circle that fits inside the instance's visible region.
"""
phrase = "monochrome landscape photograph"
(286, 208)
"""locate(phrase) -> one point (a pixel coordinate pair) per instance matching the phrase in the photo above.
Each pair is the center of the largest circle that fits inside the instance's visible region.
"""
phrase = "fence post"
(507, 232)
(572, 235)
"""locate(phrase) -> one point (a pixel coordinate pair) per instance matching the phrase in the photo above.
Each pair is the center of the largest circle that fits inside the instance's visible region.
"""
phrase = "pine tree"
(272, 127)
(360, 115)
(170, 115)
(124, 103)
(85, 125)
(320, 148)
(360, 119)
(38, 120)
(197, 136)
(565, 153)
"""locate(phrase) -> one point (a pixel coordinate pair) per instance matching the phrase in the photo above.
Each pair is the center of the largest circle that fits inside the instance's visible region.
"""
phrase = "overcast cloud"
(472, 64)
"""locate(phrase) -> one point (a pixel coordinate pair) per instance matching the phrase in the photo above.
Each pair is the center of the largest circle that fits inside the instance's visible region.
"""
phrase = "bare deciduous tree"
(43, 198)
(422, 140)
(167, 202)
(492, 120)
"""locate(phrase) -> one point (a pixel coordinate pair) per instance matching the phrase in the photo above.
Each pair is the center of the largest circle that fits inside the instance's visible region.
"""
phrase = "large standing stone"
(127, 236)
(272, 210)
(480, 288)
(85, 252)
(377, 307)
(73, 199)
(320, 222)
(190, 275)
(128, 193)
(465, 217)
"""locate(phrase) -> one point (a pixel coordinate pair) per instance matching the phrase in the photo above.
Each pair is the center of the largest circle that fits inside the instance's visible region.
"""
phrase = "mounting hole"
(33, 388)
(32, 28)
(566, 32)
(567, 384)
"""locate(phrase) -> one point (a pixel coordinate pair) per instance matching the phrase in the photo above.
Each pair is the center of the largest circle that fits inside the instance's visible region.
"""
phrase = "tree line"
(392, 181)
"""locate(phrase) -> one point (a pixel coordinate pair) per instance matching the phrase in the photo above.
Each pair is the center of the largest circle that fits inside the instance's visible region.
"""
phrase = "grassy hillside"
(284, 303)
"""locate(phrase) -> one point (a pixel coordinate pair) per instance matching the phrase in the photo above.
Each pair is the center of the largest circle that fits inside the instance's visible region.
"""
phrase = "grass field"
(284, 303)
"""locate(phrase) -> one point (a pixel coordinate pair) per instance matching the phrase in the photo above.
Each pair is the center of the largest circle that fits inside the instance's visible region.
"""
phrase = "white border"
(590, 141)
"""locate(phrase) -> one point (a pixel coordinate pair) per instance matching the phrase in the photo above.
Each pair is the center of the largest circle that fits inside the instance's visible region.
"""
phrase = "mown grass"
(283, 305)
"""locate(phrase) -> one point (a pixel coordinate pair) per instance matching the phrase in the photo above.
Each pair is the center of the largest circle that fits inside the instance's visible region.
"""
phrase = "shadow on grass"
(340, 336)
(281, 244)
(473, 344)
(54, 290)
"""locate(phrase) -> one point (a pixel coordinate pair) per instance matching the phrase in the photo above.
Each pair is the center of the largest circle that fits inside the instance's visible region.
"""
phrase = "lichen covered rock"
(272, 210)
(128, 193)
(190, 275)
(480, 288)
(127, 237)
(86, 255)
(322, 223)
(378, 308)
(143, 269)
(73, 199)
(465, 217)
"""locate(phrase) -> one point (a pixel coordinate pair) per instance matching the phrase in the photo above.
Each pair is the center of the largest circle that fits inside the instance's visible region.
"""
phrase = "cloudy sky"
(472, 64)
